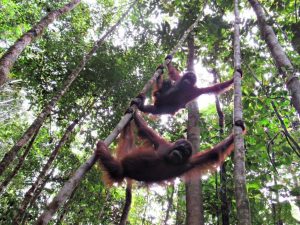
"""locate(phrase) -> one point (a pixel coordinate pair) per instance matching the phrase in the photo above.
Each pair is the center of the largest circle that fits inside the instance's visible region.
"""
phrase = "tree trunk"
(28, 198)
(105, 202)
(36, 194)
(217, 199)
(194, 199)
(295, 146)
(127, 205)
(145, 209)
(277, 208)
(223, 176)
(223, 195)
(291, 141)
(180, 212)
(242, 202)
(10, 56)
(283, 63)
(29, 194)
(9, 156)
(170, 204)
(72, 183)
(20, 163)
(65, 208)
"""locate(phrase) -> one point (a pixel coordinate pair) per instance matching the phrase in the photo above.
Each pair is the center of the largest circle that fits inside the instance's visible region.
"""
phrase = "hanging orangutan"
(158, 160)
(174, 93)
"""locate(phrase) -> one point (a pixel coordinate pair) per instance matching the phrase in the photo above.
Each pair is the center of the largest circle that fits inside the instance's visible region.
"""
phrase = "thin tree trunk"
(283, 63)
(72, 183)
(170, 203)
(107, 199)
(128, 198)
(65, 208)
(291, 141)
(36, 194)
(217, 199)
(242, 202)
(9, 156)
(29, 194)
(8, 59)
(145, 208)
(127, 205)
(194, 198)
(187, 32)
(221, 132)
(223, 176)
(294, 170)
(180, 213)
(276, 209)
(277, 205)
(285, 130)
(20, 163)
(223, 195)
(28, 198)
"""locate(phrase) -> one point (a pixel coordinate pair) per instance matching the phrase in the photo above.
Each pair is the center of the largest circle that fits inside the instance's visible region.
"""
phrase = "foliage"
(116, 73)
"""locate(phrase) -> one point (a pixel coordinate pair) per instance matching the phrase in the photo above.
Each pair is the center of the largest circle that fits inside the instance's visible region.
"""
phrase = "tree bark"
(36, 194)
(223, 195)
(72, 183)
(29, 194)
(217, 208)
(283, 63)
(127, 205)
(10, 56)
(65, 208)
(242, 202)
(20, 163)
(170, 204)
(194, 198)
(296, 146)
(291, 141)
(10, 155)
(223, 176)
(106, 201)
(180, 212)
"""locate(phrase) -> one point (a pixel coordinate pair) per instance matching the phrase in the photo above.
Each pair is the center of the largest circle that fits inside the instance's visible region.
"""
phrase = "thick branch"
(10, 155)
(71, 184)
(283, 63)
(10, 56)
(242, 202)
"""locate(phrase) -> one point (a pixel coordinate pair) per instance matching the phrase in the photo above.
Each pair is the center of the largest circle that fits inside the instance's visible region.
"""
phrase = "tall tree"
(282, 61)
(11, 154)
(34, 196)
(20, 163)
(29, 194)
(194, 198)
(28, 197)
(69, 187)
(223, 176)
(11, 55)
(170, 197)
(242, 202)
(127, 204)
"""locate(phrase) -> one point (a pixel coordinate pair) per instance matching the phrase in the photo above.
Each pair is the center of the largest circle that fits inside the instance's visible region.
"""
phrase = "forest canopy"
(69, 70)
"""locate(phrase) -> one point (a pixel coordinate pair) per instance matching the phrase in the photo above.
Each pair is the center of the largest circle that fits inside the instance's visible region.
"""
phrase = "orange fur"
(209, 166)
(126, 141)
(156, 160)
(102, 152)
(174, 74)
